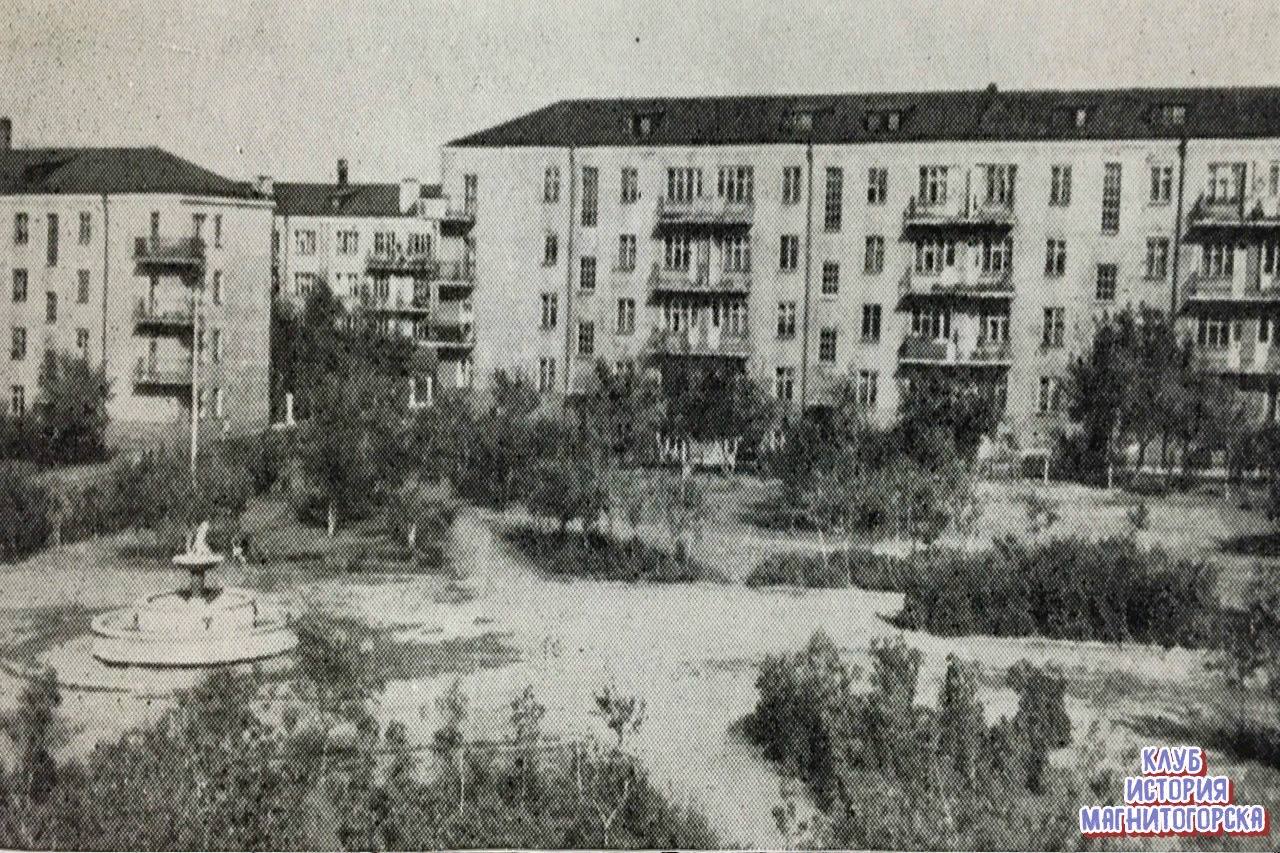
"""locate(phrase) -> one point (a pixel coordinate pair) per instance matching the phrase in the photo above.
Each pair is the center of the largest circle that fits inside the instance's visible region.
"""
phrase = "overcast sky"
(285, 88)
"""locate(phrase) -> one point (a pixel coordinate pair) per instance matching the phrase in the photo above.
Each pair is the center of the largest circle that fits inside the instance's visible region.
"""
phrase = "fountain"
(192, 627)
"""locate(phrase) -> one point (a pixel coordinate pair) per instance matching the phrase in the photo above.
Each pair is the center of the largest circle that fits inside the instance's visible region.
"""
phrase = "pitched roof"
(320, 199)
(95, 171)
(985, 114)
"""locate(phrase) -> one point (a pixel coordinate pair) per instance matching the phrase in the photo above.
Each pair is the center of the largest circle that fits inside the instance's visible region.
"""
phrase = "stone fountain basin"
(177, 629)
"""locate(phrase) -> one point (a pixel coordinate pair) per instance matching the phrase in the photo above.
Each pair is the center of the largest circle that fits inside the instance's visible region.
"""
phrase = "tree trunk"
(332, 524)
(413, 535)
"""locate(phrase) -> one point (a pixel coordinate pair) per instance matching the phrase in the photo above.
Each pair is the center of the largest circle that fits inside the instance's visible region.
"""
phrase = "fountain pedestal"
(196, 626)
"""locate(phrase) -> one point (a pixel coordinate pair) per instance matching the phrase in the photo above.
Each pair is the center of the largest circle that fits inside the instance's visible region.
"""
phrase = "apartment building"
(136, 259)
(392, 249)
(881, 237)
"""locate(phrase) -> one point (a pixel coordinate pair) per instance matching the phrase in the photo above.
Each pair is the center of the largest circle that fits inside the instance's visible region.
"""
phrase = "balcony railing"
(700, 279)
(962, 212)
(458, 218)
(150, 314)
(1237, 216)
(706, 212)
(457, 334)
(400, 305)
(1243, 358)
(944, 353)
(957, 282)
(1230, 289)
(160, 252)
(456, 273)
(410, 263)
(162, 372)
(700, 341)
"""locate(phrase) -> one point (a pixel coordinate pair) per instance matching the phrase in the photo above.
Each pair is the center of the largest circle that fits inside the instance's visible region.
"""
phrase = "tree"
(706, 403)
(71, 409)
(966, 408)
(566, 486)
(620, 412)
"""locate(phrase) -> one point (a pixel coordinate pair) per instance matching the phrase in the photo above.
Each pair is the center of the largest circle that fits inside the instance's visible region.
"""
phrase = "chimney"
(342, 173)
(6, 134)
(265, 186)
(408, 195)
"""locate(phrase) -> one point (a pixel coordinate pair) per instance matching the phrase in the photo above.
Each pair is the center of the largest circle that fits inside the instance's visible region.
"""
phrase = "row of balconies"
(423, 265)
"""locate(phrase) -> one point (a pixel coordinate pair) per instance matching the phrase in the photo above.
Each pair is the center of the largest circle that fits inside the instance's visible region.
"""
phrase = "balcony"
(458, 220)
(701, 280)
(409, 307)
(1239, 217)
(700, 342)
(705, 213)
(162, 373)
(400, 263)
(149, 315)
(445, 334)
(1229, 290)
(457, 273)
(1250, 359)
(962, 214)
(931, 352)
(185, 253)
(956, 283)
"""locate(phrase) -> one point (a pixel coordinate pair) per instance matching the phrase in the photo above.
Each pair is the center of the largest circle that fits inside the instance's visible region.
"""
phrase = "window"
(549, 309)
(381, 289)
(86, 228)
(82, 342)
(1217, 260)
(216, 290)
(1161, 184)
(470, 193)
(679, 315)
(736, 184)
(1050, 394)
(830, 278)
(546, 375)
(789, 253)
(827, 345)
(630, 186)
(997, 255)
(304, 283)
(678, 251)
(200, 403)
(17, 401)
(684, 184)
(551, 185)
(590, 196)
(1111, 198)
(799, 121)
(833, 210)
(82, 287)
(18, 345)
(197, 225)
(419, 244)
(784, 384)
(51, 248)
(1214, 333)
(21, 229)
(871, 324)
(644, 124)
(1105, 290)
(1055, 258)
(51, 307)
(931, 323)
(1171, 115)
(933, 256)
(586, 338)
(1157, 257)
(786, 320)
(1264, 330)
(994, 327)
(215, 351)
(1271, 258)
(626, 316)
(19, 285)
(873, 260)
(735, 317)
(217, 402)
(1054, 327)
(384, 243)
(626, 252)
(587, 273)
(1060, 186)
(933, 185)
(1000, 182)
(791, 185)
(1226, 181)
(737, 253)
(550, 250)
(877, 185)
(304, 242)
(877, 122)
(348, 242)
(217, 231)
(867, 382)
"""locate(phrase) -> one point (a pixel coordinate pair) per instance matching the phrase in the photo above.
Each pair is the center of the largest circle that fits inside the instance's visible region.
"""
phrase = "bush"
(848, 567)
(601, 557)
(1065, 589)
(25, 510)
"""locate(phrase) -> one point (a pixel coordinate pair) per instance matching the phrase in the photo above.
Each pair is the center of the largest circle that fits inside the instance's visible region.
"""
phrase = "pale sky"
(286, 88)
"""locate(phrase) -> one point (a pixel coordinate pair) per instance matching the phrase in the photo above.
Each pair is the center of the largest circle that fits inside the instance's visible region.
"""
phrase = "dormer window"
(644, 124)
(800, 121)
(884, 120)
(1081, 117)
(1171, 115)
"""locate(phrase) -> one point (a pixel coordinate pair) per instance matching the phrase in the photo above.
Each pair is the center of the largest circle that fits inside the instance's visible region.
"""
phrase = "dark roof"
(94, 171)
(312, 199)
(925, 116)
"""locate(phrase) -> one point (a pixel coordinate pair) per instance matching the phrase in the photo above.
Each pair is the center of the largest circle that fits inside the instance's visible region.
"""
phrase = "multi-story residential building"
(392, 249)
(136, 259)
(880, 237)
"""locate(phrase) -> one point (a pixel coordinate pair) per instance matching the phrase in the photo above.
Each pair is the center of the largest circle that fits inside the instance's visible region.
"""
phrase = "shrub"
(601, 557)
(851, 566)
(25, 508)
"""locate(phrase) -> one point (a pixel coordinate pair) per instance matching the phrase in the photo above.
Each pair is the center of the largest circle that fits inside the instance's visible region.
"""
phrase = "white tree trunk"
(333, 518)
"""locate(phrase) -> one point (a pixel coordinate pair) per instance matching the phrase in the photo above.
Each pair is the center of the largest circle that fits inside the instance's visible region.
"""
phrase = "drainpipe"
(808, 253)
(1177, 227)
(106, 276)
(568, 278)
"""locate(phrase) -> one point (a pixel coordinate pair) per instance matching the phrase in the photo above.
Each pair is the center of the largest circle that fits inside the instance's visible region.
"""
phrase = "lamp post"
(196, 302)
